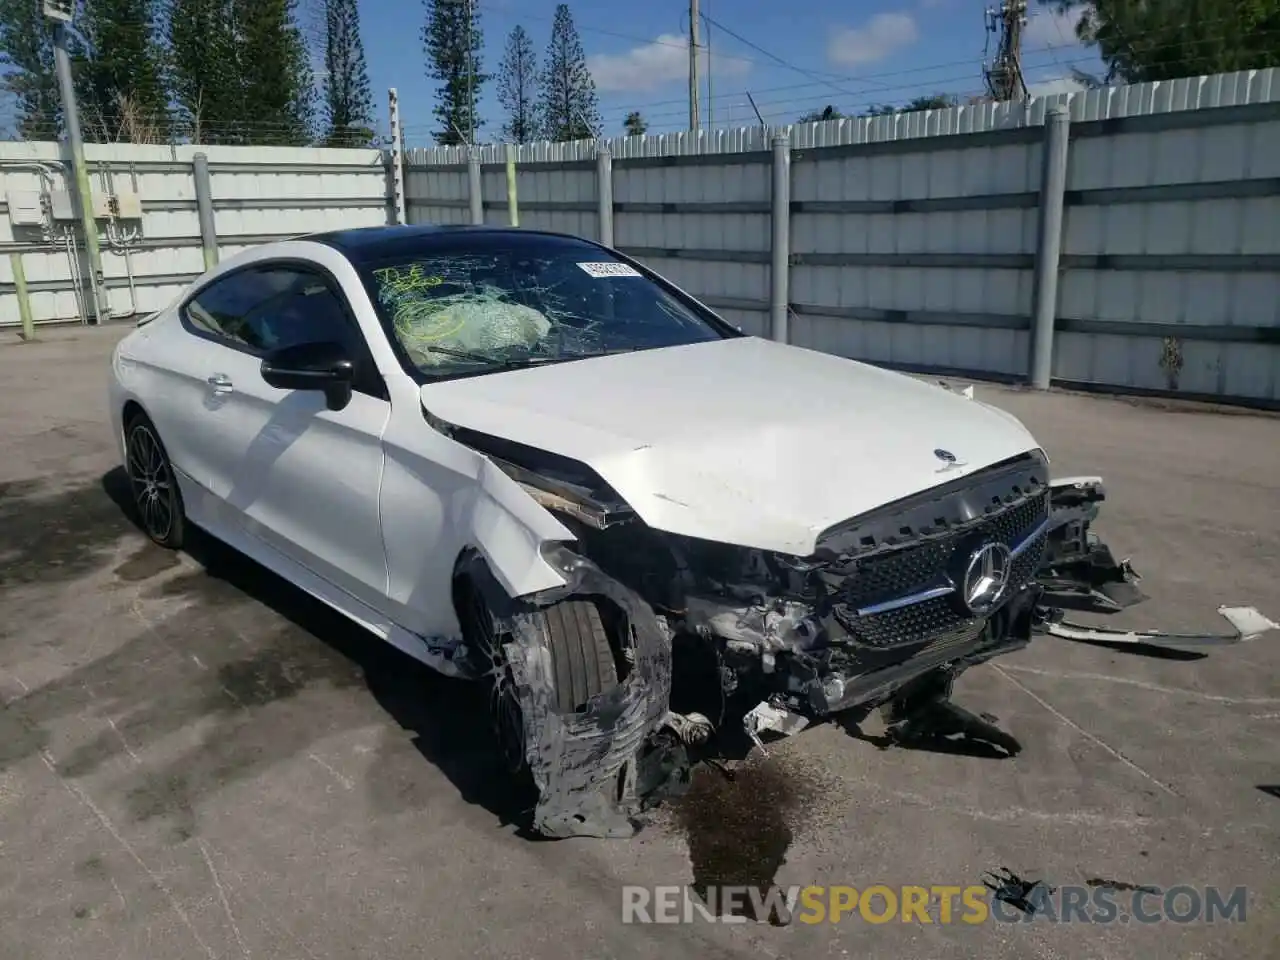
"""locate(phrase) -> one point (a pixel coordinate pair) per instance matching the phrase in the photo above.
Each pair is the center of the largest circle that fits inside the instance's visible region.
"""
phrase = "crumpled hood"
(742, 441)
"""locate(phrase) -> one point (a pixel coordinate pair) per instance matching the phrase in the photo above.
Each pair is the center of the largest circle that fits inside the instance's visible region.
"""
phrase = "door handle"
(220, 382)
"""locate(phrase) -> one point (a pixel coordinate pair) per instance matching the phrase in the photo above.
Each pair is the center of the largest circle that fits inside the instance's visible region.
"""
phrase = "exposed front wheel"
(152, 483)
(582, 665)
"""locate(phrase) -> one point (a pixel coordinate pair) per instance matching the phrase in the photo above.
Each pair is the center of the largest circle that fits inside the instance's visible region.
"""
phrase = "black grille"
(927, 620)
(912, 569)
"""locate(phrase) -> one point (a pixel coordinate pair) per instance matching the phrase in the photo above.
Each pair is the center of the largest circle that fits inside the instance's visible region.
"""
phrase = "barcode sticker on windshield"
(611, 269)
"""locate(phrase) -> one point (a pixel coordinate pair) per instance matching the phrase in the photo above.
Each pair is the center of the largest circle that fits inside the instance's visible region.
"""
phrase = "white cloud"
(882, 35)
(650, 66)
(1048, 28)
(1050, 86)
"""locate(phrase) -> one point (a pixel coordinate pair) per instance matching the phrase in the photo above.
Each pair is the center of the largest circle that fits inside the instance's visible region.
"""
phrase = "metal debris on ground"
(1029, 896)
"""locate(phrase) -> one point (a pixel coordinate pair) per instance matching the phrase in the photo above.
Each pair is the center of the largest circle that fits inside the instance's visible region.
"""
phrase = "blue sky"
(806, 53)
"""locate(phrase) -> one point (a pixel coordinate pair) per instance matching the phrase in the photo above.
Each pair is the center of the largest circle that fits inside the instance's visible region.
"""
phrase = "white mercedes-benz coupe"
(526, 459)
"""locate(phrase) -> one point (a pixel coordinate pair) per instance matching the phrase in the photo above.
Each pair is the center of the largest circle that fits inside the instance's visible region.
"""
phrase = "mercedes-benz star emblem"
(985, 578)
(946, 456)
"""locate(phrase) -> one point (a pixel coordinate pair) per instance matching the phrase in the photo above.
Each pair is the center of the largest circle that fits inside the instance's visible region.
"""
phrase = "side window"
(221, 309)
(305, 313)
(272, 307)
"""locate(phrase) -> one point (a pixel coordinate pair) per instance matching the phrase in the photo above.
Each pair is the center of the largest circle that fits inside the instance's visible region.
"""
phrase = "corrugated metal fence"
(150, 236)
(913, 238)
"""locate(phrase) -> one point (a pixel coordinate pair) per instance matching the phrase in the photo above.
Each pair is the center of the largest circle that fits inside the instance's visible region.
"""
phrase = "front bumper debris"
(1080, 573)
(1248, 623)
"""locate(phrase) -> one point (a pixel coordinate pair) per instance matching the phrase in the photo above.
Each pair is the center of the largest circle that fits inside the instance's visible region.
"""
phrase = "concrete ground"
(197, 761)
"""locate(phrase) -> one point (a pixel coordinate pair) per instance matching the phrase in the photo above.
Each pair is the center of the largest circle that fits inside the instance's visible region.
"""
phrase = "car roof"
(372, 244)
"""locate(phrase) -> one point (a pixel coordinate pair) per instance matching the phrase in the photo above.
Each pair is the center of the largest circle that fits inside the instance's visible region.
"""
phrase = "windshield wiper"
(506, 363)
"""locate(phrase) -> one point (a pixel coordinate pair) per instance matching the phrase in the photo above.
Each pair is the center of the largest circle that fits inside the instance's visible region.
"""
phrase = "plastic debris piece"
(1248, 623)
(765, 716)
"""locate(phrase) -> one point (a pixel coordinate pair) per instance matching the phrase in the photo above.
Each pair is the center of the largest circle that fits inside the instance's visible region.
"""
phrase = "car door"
(281, 466)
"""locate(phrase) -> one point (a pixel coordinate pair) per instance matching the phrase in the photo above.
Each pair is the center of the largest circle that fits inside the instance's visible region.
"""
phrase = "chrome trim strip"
(931, 594)
(1029, 540)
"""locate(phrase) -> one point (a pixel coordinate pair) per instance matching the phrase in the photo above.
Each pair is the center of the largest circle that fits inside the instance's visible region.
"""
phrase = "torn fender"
(585, 765)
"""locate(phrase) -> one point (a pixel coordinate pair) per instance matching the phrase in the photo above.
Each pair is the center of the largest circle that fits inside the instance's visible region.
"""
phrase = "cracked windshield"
(501, 307)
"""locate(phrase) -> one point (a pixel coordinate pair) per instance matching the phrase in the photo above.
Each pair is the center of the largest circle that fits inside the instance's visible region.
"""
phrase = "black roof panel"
(366, 244)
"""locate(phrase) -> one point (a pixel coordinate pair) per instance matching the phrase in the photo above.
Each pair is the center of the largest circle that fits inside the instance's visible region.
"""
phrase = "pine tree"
(348, 101)
(635, 125)
(452, 41)
(274, 73)
(120, 79)
(569, 107)
(205, 70)
(26, 50)
(518, 87)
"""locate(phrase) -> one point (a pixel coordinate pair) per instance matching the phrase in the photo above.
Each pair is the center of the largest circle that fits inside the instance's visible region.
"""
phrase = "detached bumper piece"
(1247, 623)
(1079, 572)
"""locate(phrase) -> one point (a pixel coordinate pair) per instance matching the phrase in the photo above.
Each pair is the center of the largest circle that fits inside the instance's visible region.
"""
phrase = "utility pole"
(694, 119)
(1004, 71)
(711, 123)
(471, 76)
(60, 12)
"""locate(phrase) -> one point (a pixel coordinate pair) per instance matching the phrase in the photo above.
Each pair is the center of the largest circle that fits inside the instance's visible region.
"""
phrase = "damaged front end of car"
(886, 612)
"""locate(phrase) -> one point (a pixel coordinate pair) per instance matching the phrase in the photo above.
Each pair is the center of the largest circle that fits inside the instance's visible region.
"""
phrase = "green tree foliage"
(240, 72)
(518, 87)
(223, 71)
(635, 125)
(204, 70)
(26, 51)
(936, 101)
(1141, 40)
(453, 40)
(120, 79)
(348, 100)
(570, 110)
(274, 73)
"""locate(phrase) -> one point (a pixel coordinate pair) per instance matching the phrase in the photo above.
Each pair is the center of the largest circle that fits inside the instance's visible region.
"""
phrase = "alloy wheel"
(504, 700)
(151, 481)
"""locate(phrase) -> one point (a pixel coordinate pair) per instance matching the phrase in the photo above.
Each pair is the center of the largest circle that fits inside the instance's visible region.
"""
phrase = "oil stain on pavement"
(739, 826)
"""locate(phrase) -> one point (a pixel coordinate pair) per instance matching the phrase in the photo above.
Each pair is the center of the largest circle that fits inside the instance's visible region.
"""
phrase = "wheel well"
(612, 616)
(132, 410)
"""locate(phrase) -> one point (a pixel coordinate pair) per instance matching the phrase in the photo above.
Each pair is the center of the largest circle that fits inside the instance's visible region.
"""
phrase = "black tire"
(581, 662)
(153, 485)
(581, 657)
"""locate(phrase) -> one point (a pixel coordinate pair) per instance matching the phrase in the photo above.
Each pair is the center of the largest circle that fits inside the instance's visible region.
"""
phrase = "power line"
(1034, 59)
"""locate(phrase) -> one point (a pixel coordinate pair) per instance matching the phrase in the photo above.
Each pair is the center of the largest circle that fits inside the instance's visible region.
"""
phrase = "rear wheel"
(153, 484)
(582, 664)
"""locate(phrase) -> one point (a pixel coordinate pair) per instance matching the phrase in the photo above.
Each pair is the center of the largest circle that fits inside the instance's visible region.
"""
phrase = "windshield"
(523, 300)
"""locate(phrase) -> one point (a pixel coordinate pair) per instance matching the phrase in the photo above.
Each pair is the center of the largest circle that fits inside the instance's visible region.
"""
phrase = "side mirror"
(323, 366)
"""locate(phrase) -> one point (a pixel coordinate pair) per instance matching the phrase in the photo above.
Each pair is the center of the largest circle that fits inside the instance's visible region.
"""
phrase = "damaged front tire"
(581, 661)
(581, 656)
